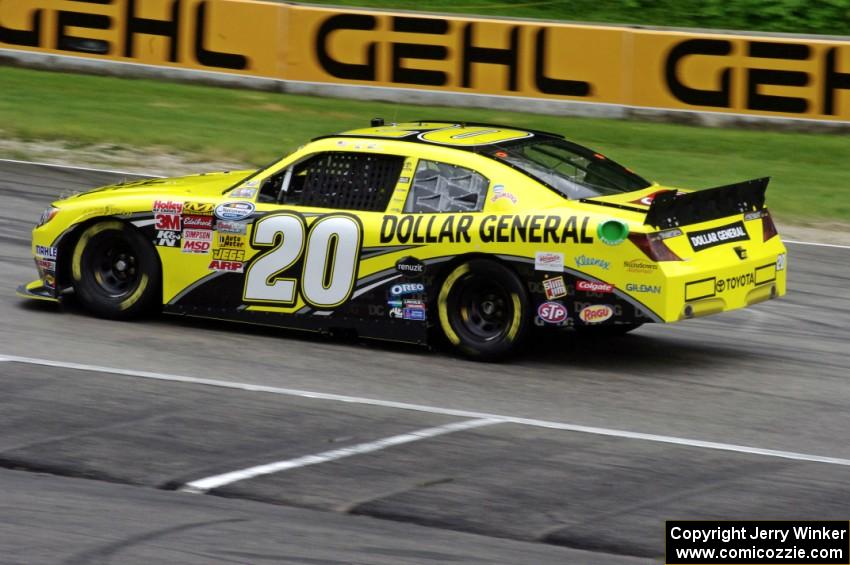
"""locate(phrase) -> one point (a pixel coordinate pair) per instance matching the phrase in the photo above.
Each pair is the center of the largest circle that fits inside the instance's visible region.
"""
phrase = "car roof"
(416, 132)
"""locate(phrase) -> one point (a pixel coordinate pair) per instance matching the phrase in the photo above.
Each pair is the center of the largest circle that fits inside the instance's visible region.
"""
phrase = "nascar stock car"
(410, 231)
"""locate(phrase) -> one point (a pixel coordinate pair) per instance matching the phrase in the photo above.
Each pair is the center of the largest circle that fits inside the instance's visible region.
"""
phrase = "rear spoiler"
(669, 209)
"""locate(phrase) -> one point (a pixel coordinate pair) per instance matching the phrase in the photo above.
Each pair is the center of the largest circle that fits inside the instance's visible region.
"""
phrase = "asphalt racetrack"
(120, 440)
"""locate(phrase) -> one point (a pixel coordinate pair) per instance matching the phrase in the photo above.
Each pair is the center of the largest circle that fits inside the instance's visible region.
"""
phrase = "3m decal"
(167, 222)
(330, 252)
(705, 239)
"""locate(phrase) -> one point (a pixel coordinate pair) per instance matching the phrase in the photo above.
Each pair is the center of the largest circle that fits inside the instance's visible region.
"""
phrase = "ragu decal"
(595, 313)
(420, 228)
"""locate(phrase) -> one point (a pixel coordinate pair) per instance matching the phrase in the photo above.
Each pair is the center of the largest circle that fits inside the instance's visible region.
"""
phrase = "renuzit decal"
(410, 267)
(594, 286)
(234, 211)
(552, 312)
(705, 239)
(595, 313)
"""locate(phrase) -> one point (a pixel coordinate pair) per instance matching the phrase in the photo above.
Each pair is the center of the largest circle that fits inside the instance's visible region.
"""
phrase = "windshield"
(572, 170)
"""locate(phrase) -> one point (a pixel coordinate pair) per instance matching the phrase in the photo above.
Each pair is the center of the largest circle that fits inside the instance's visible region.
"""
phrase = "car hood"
(206, 184)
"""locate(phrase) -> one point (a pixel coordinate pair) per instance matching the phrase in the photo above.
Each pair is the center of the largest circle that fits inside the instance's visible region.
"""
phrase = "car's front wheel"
(115, 271)
(483, 309)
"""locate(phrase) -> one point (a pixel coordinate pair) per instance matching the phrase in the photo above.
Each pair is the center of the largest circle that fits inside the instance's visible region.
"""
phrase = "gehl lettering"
(134, 27)
(755, 77)
(512, 55)
(492, 229)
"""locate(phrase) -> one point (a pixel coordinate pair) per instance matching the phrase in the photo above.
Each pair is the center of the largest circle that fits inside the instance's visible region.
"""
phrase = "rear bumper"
(701, 290)
(37, 291)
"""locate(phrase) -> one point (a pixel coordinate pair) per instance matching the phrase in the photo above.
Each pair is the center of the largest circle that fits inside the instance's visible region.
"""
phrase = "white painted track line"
(75, 168)
(835, 245)
(687, 442)
(203, 485)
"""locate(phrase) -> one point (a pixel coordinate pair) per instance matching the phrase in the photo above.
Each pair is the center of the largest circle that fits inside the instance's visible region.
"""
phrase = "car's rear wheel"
(483, 309)
(115, 271)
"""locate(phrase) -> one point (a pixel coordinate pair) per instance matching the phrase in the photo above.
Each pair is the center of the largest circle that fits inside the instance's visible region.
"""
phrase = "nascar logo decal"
(232, 211)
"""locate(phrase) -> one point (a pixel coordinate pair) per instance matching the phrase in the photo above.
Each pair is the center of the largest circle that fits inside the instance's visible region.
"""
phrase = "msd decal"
(195, 246)
(552, 312)
(596, 313)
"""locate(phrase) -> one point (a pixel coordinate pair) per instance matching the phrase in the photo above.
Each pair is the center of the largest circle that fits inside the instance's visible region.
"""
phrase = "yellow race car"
(477, 232)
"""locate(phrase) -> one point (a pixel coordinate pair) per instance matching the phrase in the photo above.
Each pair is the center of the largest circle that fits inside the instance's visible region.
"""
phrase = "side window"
(344, 181)
(440, 187)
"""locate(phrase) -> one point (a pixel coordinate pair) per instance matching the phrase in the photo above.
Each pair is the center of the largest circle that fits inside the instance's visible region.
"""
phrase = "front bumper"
(37, 291)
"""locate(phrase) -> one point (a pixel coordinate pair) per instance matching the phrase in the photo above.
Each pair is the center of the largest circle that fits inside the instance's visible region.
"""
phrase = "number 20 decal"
(331, 251)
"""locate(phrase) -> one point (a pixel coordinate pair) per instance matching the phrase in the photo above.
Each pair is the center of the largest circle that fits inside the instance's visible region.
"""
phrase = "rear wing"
(670, 210)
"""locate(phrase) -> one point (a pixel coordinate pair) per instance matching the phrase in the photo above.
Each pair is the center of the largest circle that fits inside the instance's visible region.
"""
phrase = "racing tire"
(483, 310)
(115, 271)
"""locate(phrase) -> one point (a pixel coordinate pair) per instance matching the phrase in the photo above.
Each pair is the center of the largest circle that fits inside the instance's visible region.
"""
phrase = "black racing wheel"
(115, 271)
(483, 309)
